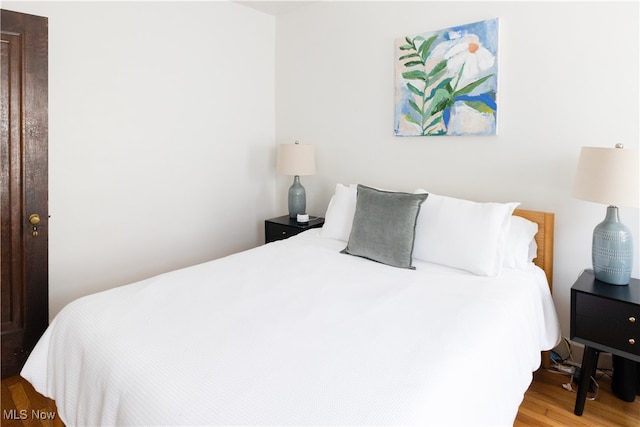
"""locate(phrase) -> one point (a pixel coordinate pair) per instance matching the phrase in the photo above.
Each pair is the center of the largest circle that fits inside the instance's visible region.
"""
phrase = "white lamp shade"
(608, 175)
(296, 159)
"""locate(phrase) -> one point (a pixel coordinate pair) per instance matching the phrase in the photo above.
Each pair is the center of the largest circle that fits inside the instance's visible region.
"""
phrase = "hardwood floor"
(546, 403)
(22, 406)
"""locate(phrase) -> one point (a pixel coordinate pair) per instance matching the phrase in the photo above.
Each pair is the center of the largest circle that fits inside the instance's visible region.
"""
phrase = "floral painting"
(446, 81)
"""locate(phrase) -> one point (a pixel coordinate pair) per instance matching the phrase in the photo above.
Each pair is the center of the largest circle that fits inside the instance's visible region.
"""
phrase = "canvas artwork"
(446, 81)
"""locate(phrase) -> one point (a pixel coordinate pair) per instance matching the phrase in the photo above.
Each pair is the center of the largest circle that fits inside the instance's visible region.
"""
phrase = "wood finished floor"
(22, 406)
(546, 403)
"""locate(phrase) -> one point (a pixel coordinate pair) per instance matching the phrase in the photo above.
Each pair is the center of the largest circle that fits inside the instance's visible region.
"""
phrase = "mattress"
(296, 333)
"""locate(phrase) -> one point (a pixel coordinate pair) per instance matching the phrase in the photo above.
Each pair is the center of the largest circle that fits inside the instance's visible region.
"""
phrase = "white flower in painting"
(468, 51)
(439, 52)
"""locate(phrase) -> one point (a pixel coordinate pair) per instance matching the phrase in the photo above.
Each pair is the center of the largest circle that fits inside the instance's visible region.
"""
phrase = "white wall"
(162, 128)
(161, 136)
(568, 78)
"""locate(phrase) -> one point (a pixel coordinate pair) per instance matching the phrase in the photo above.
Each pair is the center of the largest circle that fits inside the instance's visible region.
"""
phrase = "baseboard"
(577, 350)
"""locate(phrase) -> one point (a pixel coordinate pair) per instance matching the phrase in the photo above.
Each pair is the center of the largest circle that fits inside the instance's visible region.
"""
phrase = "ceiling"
(275, 8)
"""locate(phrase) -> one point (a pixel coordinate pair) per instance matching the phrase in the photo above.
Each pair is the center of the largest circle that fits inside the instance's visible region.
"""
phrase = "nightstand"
(283, 227)
(605, 318)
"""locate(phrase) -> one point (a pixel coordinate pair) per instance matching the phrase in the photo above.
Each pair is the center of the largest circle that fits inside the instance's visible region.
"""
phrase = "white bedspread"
(294, 333)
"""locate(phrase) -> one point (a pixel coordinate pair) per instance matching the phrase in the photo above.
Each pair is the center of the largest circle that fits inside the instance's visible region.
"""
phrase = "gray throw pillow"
(384, 226)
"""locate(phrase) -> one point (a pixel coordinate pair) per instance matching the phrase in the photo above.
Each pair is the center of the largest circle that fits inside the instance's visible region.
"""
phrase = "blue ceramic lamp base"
(297, 198)
(612, 250)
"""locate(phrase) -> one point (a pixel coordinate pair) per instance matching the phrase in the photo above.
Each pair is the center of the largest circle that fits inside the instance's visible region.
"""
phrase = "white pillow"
(463, 234)
(520, 242)
(339, 217)
(533, 250)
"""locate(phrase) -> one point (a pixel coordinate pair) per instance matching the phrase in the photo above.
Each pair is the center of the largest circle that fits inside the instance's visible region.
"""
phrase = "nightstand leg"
(589, 364)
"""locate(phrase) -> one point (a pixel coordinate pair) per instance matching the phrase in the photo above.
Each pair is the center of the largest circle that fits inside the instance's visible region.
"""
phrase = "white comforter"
(295, 333)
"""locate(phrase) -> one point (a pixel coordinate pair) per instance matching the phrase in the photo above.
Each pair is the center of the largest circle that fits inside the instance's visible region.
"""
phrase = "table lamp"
(296, 159)
(609, 176)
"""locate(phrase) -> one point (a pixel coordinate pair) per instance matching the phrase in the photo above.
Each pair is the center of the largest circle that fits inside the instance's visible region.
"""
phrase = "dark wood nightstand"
(283, 227)
(605, 318)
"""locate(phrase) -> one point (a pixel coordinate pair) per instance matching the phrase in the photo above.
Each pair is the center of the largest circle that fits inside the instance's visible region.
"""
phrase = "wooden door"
(23, 186)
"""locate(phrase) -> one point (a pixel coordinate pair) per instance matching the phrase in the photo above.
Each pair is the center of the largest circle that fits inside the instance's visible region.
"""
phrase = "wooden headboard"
(544, 239)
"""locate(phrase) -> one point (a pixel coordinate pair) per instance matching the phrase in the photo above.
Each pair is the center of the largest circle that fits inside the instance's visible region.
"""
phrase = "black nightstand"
(605, 318)
(283, 227)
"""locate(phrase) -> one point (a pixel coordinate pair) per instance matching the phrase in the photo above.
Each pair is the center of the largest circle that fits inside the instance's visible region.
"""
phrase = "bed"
(306, 331)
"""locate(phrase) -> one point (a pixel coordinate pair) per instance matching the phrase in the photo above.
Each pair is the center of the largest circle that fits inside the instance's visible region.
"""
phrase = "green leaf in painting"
(424, 49)
(410, 42)
(438, 68)
(445, 84)
(433, 122)
(440, 101)
(409, 55)
(415, 106)
(406, 47)
(415, 90)
(459, 75)
(415, 75)
(471, 86)
(480, 107)
(413, 63)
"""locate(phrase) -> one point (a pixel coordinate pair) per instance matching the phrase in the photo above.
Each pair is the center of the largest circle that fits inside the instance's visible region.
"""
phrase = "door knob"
(34, 219)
